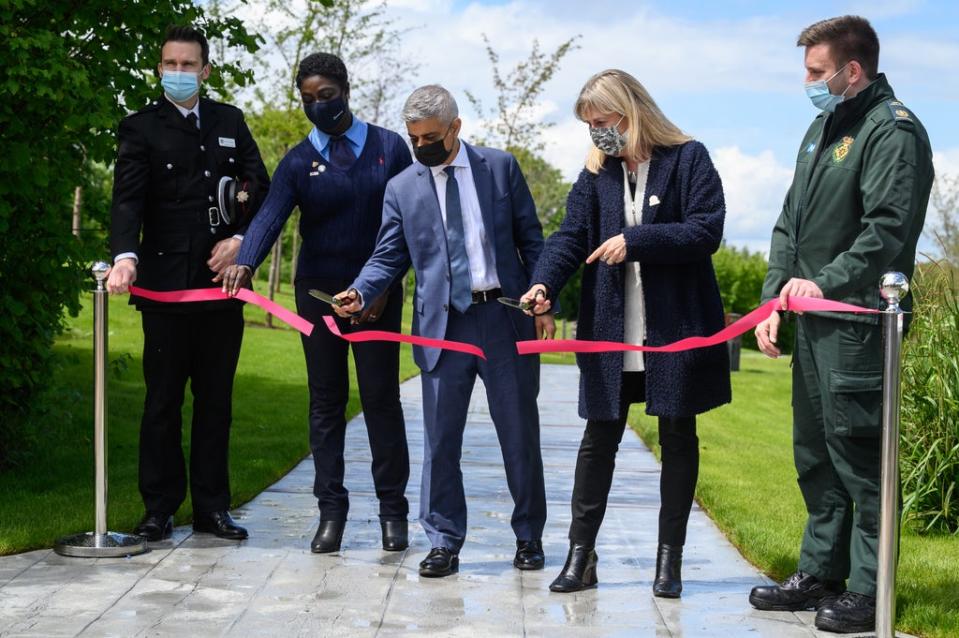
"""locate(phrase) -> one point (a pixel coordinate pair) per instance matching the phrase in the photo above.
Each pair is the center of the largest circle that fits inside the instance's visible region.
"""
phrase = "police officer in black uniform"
(189, 177)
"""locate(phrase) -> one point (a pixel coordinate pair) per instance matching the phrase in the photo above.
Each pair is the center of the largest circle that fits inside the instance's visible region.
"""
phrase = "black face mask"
(327, 116)
(434, 153)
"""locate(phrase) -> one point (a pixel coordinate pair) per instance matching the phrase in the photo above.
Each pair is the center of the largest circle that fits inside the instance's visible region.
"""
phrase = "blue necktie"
(341, 153)
(461, 285)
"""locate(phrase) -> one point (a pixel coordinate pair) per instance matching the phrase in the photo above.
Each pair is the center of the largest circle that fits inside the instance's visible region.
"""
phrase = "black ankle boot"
(579, 572)
(669, 565)
(328, 537)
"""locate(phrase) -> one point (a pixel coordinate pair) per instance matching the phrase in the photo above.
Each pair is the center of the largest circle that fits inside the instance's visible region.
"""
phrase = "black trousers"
(597, 460)
(203, 347)
(377, 374)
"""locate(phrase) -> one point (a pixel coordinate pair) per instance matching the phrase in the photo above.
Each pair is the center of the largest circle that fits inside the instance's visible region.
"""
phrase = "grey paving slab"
(271, 585)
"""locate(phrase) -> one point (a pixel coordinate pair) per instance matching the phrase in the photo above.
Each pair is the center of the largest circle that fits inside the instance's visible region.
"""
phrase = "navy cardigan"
(340, 211)
(683, 213)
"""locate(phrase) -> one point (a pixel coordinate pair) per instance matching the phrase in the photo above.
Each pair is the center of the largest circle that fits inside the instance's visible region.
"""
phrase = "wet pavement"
(271, 585)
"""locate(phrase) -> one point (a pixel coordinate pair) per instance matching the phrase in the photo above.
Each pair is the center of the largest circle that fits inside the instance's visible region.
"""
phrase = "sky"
(728, 73)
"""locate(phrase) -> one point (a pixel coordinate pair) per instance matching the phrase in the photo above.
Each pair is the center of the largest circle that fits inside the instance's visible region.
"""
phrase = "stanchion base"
(93, 545)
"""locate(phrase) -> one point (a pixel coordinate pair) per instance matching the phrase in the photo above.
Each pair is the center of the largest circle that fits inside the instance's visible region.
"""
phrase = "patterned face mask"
(608, 139)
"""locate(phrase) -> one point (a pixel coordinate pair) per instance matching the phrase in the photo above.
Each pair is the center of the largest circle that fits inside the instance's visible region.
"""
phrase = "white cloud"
(566, 146)
(946, 162)
(755, 186)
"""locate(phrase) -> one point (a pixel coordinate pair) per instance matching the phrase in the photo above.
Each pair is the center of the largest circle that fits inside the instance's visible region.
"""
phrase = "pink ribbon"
(215, 294)
(383, 335)
(746, 323)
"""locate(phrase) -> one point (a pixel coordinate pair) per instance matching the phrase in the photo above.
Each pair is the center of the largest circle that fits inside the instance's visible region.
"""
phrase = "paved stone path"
(271, 585)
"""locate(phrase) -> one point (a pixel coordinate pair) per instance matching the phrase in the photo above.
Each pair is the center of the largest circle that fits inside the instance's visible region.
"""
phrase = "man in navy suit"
(464, 218)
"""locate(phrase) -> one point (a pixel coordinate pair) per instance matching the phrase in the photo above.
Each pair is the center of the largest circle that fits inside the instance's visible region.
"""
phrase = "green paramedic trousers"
(837, 419)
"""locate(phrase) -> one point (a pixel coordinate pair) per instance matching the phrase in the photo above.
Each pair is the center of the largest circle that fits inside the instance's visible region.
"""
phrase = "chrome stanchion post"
(100, 333)
(893, 288)
(100, 543)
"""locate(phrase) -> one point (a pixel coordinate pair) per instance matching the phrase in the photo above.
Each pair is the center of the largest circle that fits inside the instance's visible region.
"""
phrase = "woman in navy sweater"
(337, 177)
(646, 214)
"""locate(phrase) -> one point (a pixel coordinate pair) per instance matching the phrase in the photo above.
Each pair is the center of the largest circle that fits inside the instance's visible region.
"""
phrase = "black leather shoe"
(440, 562)
(154, 526)
(219, 524)
(798, 592)
(328, 537)
(850, 613)
(579, 572)
(669, 565)
(529, 555)
(396, 535)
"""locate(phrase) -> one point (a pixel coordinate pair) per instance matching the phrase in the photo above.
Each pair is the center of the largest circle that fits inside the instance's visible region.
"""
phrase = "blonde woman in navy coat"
(645, 215)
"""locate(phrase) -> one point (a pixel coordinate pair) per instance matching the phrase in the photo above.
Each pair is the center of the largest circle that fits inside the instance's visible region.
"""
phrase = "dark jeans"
(377, 375)
(597, 459)
(203, 347)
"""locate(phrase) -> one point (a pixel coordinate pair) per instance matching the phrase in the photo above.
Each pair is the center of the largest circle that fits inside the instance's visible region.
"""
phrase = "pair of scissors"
(525, 306)
(330, 299)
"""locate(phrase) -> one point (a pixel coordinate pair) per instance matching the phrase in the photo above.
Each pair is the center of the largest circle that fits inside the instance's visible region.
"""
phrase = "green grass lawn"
(52, 493)
(747, 484)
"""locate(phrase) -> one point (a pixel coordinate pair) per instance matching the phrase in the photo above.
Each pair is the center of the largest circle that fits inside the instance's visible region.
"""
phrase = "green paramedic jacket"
(857, 202)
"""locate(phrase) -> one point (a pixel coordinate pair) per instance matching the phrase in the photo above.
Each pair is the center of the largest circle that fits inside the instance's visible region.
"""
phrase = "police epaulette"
(149, 108)
(899, 112)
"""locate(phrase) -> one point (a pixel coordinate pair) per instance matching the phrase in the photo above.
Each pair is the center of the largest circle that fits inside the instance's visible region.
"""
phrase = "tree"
(358, 31)
(514, 125)
(69, 71)
(945, 229)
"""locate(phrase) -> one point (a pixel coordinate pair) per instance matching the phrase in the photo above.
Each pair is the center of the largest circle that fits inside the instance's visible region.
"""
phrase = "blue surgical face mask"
(180, 85)
(819, 95)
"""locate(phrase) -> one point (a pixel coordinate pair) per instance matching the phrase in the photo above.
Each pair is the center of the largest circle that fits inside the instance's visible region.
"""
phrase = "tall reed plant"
(929, 452)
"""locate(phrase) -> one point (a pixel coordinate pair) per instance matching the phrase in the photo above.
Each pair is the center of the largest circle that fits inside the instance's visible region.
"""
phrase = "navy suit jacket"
(412, 233)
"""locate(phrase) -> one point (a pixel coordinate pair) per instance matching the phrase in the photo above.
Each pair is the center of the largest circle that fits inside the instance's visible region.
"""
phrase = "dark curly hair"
(325, 64)
(187, 33)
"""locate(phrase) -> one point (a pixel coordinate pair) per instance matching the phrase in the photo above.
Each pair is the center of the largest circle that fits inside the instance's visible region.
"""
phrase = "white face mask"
(608, 139)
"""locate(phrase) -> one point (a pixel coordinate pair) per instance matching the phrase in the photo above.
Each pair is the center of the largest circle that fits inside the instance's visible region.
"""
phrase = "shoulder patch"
(149, 108)
(898, 111)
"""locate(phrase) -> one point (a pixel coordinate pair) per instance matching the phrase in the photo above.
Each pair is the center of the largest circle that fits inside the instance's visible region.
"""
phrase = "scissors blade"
(324, 297)
(330, 299)
(515, 303)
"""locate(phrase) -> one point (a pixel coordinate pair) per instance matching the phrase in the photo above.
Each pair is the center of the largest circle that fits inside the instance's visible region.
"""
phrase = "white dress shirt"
(479, 250)
(185, 111)
(635, 306)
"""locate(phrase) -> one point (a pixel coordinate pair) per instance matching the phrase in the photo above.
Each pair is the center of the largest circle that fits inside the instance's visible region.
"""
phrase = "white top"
(479, 250)
(634, 323)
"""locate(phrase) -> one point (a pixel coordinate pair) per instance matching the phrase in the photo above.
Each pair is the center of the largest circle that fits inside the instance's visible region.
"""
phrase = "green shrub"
(929, 454)
(740, 274)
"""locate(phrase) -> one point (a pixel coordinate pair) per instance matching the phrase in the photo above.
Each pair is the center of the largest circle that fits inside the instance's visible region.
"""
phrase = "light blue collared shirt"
(356, 135)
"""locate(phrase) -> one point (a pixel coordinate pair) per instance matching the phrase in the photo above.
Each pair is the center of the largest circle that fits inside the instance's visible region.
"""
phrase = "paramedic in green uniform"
(854, 211)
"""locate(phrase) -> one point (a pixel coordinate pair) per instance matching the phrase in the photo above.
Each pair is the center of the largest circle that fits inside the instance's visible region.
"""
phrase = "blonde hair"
(615, 91)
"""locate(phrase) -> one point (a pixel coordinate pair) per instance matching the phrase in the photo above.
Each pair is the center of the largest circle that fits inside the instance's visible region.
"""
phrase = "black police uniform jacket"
(165, 194)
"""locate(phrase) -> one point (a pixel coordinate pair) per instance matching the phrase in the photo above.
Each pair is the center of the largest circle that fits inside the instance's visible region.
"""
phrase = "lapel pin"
(653, 200)
(322, 168)
(315, 163)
